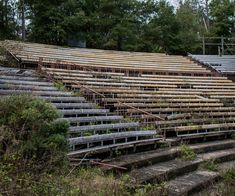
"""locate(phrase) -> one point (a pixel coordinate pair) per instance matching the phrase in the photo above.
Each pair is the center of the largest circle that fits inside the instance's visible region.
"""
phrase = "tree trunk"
(207, 14)
(23, 19)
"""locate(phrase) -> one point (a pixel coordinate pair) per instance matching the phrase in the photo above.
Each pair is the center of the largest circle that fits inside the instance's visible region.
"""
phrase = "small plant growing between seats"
(147, 128)
(210, 165)
(60, 86)
(77, 94)
(186, 153)
(233, 136)
(164, 145)
(87, 133)
(117, 153)
(130, 120)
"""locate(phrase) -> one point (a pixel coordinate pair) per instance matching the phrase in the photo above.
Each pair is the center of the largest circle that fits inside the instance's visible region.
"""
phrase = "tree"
(161, 28)
(8, 24)
(222, 16)
(190, 19)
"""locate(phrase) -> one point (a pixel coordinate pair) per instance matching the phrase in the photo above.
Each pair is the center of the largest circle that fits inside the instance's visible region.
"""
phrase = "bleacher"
(92, 129)
(129, 63)
(178, 96)
(223, 64)
(190, 106)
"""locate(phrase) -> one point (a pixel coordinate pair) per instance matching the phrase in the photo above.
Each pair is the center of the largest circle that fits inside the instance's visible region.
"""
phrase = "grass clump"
(229, 176)
(152, 190)
(210, 165)
(186, 153)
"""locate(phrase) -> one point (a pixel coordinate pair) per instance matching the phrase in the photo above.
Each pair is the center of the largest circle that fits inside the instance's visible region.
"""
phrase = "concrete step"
(191, 182)
(166, 170)
(151, 157)
(196, 181)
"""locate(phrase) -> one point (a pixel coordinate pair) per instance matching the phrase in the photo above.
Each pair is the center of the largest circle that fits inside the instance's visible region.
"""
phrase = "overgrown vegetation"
(210, 165)
(33, 161)
(186, 153)
(2, 51)
(224, 188)
(32, 144)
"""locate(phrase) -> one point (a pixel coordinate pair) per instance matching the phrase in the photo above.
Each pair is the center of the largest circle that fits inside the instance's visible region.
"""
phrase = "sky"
(175, 3)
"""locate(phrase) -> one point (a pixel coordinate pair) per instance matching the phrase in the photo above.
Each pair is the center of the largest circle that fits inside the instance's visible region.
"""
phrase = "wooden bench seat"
(103, 127)
(96, 60)
(140, 80)
(201, 109)
(222, 96)
(26, 87)
(94, 83)
(95, 64)
(111, 136)
(75, 105)
(167, 105)
(113, 147)
(132, 95)
(17, 82)
(205, 134)
(201, 127)
(64, 99)
(92, 119)
(193, 121)
(84, 111)
(143, 76)
(34, 92)
(120, 90)
(75, 71)
(156, 100)
(100, 62)
(186, 77)
(28, 78)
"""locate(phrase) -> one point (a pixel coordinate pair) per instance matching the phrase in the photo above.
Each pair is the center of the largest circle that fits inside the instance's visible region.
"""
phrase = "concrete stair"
(182, 177)
(196, 181)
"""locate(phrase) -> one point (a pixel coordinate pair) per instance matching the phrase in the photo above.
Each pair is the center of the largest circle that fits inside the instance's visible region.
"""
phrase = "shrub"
(32, 145)
(29, 131)
(186, 153)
